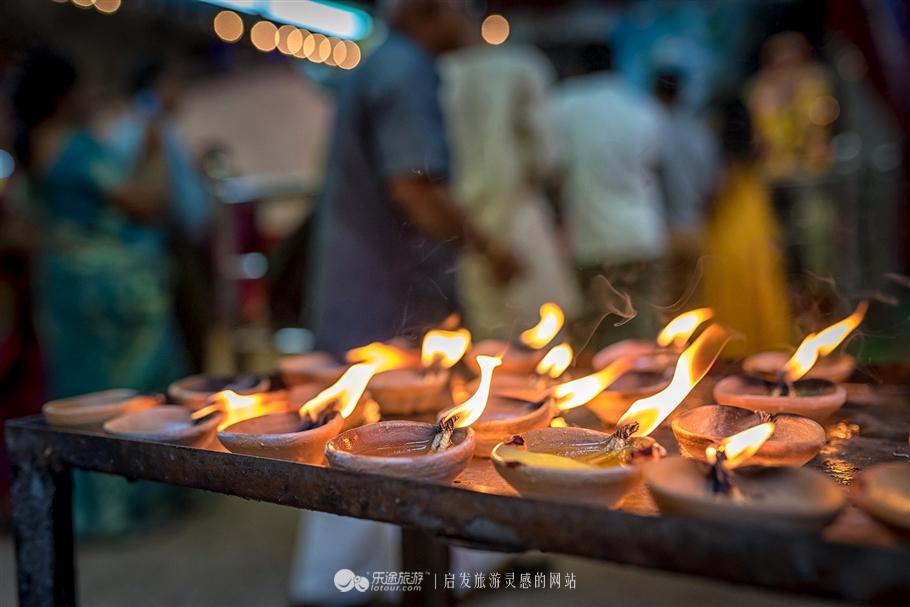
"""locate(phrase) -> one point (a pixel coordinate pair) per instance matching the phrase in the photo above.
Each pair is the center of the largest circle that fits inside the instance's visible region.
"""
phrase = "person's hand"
(503, 264)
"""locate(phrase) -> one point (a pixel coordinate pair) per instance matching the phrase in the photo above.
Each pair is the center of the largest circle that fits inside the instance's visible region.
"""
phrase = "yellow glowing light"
(339, 52)
(551, 321)
(816, 345)
(228, 26)
(346, 392)
(580, 391)
(741, 446)
(351, 57)
(264, 36)
(84, 3)
(680, 329)
(495, 29)
(470, 410)
(290, 39)
(558, 422)
(693, 364)
(324, 49)
(444, 348)
(108, 7)
(383, 356)
(308, 47)
(239, 407)
(556, 361)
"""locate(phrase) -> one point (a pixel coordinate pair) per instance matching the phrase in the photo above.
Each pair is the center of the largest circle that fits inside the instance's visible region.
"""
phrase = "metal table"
(855, 558)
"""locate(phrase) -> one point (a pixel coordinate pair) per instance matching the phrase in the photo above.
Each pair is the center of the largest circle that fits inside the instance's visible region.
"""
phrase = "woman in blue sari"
(102, 273)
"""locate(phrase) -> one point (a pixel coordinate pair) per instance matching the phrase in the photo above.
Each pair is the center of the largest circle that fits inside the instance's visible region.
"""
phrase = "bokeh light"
(824, 110)
(84, 3)
(351, 57)
(228, 26)
(264, 36)
(289, 39)
(495, 29)
(108, 7)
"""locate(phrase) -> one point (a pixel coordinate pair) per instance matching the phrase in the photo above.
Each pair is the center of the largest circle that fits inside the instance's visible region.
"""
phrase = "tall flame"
(693, 364)
(817, 345)
(346, 392)
(444, 348)
(741, 446)
(551, 321)
(239, 407)
(579, 391)
(470, 410)
(383, 356)
(680, 329)
(556, 361)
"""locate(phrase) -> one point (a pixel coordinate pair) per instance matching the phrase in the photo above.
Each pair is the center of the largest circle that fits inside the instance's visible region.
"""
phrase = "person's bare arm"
(429, 207)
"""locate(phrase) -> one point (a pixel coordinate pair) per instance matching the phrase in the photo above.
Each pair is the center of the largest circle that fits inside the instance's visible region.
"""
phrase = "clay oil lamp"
(300, 435)
(409, 387)
(782, 497)
(522, 358)
(195, 391)
(97, 407)
(417, 450)
(172, 424)
(661, 354)
(817, 399)
(835, 367)
(883, 491)
(796, 440)
(588, 466)
(311, 368)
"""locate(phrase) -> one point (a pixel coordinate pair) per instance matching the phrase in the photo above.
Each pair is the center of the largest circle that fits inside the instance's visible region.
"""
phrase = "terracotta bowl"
(835, 368)
(505, 417)
(516, 359)
(166, 424)
(796, 440)
(195, 390)
(278, 436)
(787, 498)
(319, 368)
(883, 491)
(648, 355)
(366, 412)
(610, 404)
(399, 448)
(97, 407)
(410, 391)
(820, 400)
(572, 482)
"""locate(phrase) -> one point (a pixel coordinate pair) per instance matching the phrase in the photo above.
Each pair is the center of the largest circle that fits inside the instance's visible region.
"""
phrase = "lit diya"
(405, 386)
(817, 399)
(795, 441)
(97, 407)
(551, 368)
(195, 391)
(316, 368)
(300, 435)
(883, 491)
(660, 354)
(522, 358)
(582, 465)
(174, 424)
(417, 450)
(783, 497)
(832, 366)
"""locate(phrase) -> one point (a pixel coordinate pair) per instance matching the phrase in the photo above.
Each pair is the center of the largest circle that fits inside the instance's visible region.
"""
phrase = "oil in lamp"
(301, 435)
(406, 386)
(883, 490)
(195, 391)
(659, 355)
(522, 358)
(832, 366)
(782, 497)
(418, 450)
(97, 407)
(588, 466)
(795, 441)
(817, 399)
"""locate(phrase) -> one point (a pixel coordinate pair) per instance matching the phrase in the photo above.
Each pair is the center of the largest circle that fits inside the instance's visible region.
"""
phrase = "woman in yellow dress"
(744, 271)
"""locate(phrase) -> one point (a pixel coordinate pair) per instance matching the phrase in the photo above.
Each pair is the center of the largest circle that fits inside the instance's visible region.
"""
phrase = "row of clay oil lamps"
(766, 418)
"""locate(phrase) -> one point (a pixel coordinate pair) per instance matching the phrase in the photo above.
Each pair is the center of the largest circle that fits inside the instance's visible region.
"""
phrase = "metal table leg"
(422, 552)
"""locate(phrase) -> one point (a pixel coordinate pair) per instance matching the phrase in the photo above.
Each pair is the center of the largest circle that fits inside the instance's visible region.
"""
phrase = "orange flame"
(239, 407)
(559, 422)
(346, 392)
(741, 446)
(470, 410)
(556, 361)
(693, 364)
(383, 356)
(551, 321)
(444, 348)
(817, 345)
(580, 391)
(680, 329)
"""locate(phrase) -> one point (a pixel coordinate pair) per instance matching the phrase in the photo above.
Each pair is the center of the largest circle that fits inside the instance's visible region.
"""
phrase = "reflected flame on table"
(822, 343)
(556, 361)
(741, 446)
(680, 329)
(443, 349)
(551, 321)
(470, 410)
(344, 393)
(693, 364)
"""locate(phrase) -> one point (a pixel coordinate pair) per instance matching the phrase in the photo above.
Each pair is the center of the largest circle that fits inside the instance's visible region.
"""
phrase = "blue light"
(7, 164)
(317, 15)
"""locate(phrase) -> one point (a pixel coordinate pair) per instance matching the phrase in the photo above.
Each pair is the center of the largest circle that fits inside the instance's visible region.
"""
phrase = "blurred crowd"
(460, 176)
